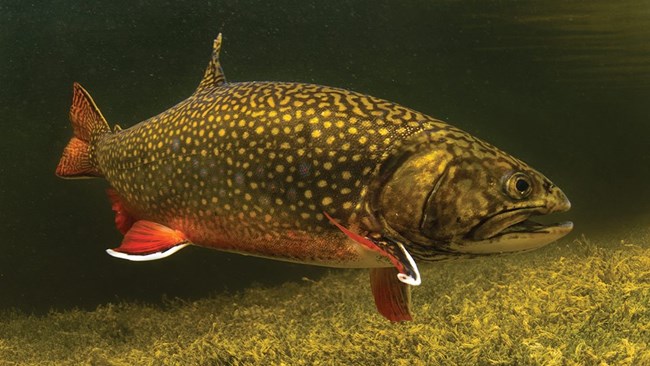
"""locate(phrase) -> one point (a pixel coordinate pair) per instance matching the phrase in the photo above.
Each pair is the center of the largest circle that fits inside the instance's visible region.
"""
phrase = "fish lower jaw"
(523, 236)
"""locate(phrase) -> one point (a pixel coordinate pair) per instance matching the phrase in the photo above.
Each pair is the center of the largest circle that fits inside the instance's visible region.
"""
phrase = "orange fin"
(75, 162)
(392, 297)
(393, 250)
(147, 241)
(87, 122)
(123, 219)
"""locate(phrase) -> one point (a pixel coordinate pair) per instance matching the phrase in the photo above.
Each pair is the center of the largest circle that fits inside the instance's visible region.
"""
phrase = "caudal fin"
(88, 123)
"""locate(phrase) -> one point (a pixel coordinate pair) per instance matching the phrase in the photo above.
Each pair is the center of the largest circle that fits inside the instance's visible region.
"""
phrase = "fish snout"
(558, 201)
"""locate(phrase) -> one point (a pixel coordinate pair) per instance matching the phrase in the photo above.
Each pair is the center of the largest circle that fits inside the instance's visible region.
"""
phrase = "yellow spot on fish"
(316, 133)
(326, 201)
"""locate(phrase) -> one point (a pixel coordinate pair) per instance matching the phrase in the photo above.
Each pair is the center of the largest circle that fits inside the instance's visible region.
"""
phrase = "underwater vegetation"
(573, 303)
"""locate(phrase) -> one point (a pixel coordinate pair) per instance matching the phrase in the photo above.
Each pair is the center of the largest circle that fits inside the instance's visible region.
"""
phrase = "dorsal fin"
(213, 76)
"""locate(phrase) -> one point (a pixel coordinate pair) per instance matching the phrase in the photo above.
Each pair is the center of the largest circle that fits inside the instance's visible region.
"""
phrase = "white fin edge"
(146, 257)
(409, 280)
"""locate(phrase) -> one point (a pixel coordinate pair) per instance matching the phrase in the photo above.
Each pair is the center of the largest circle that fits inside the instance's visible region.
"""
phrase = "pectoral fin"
(407, 270)
(146, 241)
(392, 297)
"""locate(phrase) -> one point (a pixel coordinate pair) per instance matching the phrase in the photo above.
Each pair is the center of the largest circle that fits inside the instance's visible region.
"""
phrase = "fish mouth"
(513, 230)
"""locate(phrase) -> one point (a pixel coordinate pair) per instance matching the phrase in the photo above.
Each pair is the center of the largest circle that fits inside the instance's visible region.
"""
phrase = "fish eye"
(519, 186)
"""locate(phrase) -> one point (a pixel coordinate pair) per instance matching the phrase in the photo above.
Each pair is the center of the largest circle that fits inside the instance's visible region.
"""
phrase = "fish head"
(460, 195)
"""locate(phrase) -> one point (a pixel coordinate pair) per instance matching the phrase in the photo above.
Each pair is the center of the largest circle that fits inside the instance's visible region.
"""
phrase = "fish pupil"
(522, 185)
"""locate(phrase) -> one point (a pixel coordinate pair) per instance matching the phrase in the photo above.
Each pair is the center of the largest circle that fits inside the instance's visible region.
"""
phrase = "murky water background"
(563, 85)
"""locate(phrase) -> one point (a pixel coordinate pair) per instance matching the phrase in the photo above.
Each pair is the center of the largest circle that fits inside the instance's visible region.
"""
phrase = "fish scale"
(273, 154)
(310, 174)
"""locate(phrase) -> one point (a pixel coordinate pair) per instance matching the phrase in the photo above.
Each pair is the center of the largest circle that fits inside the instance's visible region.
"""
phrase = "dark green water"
(562, 85)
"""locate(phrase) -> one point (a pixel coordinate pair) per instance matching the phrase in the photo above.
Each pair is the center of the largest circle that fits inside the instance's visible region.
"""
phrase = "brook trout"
(310, 174)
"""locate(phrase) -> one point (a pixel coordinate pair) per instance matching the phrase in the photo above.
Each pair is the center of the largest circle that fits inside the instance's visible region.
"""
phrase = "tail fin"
(88, 123)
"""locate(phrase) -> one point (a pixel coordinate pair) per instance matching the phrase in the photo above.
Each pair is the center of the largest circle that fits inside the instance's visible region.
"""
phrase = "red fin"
(392, 297)
(123, 220)
(87, 121)
(390, 248)
(367, 243)
(148, 240)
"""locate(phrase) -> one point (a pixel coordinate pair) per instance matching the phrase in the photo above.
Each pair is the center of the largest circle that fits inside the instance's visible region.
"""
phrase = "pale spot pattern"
(257, 159)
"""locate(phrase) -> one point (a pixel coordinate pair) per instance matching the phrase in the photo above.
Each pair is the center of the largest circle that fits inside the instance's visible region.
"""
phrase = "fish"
(310, 174)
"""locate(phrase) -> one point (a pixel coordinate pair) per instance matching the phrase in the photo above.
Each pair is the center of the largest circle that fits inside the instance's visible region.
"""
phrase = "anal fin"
(146, 241)
(392, 296)
(123, 219)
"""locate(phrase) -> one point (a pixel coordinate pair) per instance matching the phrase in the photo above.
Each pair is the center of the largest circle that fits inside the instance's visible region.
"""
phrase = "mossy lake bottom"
(581, 302)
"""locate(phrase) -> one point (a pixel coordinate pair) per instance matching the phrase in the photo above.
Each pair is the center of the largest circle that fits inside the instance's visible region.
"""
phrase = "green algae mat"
(573, 303)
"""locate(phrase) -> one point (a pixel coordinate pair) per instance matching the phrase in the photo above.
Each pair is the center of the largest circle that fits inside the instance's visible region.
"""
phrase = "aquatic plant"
(573, 303)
